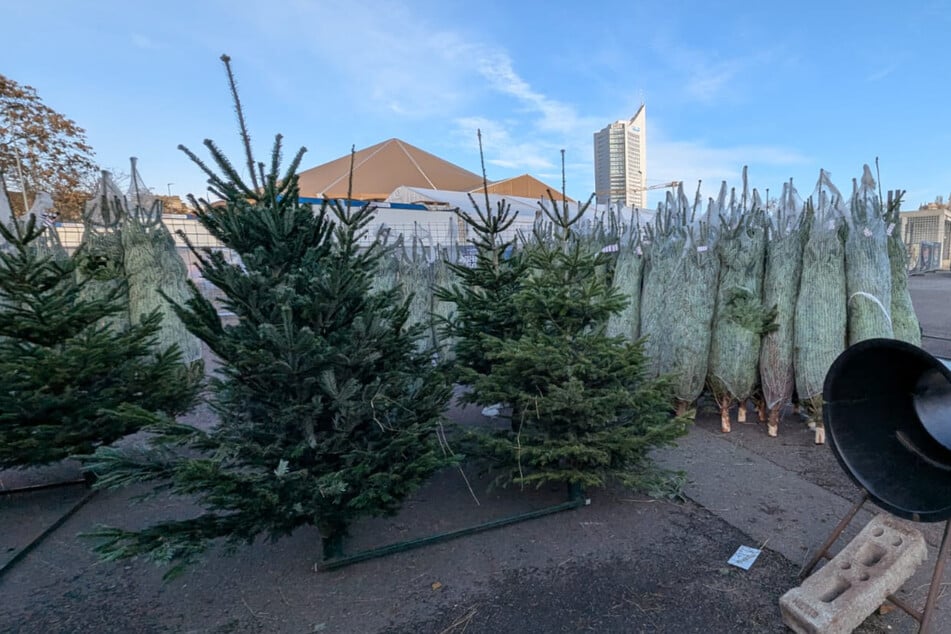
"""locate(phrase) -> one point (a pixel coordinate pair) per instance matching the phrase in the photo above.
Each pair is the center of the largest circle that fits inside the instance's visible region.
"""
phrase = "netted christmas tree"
(627, 279)
(327, 413)
(64, 372)
(868, 272)
(584, 409)
(904, 319)
(694, 289)
(6, 212)
(788, 229)
(663, 246)
(48, 242)
(156, 274)
(415, 276)
(103, 267)
(821, 321)
(741, 319)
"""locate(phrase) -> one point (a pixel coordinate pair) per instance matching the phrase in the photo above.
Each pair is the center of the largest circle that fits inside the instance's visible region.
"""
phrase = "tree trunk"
(772, 426)
(683, 408)
(725, 414)
(332, 545)
(575, 491)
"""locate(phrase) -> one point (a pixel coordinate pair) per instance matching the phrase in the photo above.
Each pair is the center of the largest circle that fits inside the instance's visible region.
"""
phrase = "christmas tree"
(327, 412)
(481, 294)
(63, 371)
(584, 409)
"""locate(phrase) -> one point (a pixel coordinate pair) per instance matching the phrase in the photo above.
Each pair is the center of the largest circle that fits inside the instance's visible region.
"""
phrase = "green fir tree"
(327, 412)
(63, 370)
(481, 294)
(584, 409)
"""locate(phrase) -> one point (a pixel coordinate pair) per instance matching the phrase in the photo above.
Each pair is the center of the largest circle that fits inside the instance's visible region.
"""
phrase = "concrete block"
(843, 593)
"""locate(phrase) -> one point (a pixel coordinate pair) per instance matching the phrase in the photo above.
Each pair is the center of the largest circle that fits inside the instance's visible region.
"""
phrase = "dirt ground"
(624, 563)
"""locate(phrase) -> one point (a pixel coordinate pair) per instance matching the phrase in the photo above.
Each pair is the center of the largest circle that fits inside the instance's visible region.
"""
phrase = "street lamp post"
(169, 187)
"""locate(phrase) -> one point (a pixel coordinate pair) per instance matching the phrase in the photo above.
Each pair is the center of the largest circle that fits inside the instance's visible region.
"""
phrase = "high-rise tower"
(620, 162)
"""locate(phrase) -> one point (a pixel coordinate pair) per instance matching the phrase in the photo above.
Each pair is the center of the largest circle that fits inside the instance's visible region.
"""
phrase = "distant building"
(620, 162)
(927, 231)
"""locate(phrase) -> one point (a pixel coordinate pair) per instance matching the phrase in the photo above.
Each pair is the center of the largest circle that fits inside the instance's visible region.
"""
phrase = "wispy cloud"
(540, 127)
(708, 74)
(144, 42)
(555, 116)
(883, 72)
(501, 149)
(408, 66)
(376, 55)
(702, 76)
(692, 161)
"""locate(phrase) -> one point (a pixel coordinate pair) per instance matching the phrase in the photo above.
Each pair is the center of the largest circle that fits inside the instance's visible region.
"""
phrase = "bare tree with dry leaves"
(42, 150)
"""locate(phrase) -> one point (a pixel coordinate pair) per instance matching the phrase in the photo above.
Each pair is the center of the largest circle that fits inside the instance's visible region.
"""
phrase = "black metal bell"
(887, 413)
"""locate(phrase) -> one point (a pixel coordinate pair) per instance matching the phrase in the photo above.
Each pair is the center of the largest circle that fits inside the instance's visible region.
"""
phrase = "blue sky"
(786, 88)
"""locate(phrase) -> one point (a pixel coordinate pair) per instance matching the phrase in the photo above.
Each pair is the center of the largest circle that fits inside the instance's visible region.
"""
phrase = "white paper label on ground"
(702, 248)
(492, 410)
(744, 557)
(638, 251)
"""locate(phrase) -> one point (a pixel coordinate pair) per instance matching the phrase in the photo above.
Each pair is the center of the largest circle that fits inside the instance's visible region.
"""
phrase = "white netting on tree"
(741, 319)
(821, 317)
(904, 320)
(627, 278)
(102, 267)
(867, 268)
(6, 211)
(416, 284)
(443, 277)
(786, 237)
(663, 246)
(104, 210)
(152, 265)
(48, 242)
(138, 194)
(694, 289)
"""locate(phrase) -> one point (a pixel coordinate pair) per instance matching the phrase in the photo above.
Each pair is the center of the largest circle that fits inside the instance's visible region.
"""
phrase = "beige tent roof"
(380, 169)
(525, 185)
